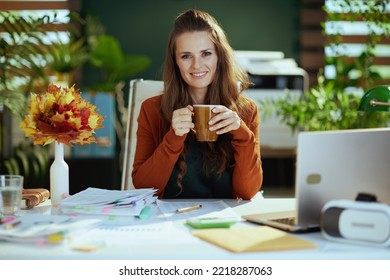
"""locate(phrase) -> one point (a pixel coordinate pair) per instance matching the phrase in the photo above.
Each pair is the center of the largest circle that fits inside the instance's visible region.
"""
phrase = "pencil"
(12, 226)
(187, 209)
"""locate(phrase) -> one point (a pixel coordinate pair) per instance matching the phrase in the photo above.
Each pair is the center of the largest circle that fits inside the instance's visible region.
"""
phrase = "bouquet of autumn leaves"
(61, 115)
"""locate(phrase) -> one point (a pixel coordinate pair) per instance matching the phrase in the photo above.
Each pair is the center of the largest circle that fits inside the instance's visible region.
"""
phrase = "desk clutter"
(98, 218)
(109, 202)
(43, 229)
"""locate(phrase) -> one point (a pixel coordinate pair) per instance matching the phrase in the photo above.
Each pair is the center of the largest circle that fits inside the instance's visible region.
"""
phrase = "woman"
(199, 69)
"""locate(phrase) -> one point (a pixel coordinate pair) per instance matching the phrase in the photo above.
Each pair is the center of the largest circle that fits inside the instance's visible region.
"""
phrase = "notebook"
(334, 165)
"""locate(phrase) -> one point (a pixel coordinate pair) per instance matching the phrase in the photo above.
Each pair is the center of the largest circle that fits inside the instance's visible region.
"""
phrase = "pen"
(12, 226)
(187, 209)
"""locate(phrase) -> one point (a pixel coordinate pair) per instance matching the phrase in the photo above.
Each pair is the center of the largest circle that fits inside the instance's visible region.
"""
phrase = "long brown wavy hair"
(224, 90)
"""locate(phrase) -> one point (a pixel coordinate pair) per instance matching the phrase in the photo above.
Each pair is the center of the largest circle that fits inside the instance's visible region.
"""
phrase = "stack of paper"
(109, 202)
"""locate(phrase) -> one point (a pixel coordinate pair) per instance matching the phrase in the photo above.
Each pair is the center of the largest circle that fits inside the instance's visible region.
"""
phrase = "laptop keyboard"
(286, 221)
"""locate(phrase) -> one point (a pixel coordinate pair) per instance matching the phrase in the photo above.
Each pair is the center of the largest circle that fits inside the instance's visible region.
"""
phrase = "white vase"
(59, 176)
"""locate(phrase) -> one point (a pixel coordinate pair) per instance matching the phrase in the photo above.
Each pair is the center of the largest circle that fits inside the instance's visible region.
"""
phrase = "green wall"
(143, 26)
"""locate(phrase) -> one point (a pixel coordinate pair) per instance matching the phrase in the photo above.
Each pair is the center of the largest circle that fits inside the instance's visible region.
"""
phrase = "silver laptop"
(334, 165)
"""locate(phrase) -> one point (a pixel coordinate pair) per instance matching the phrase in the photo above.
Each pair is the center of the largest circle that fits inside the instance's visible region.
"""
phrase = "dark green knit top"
(196, 184)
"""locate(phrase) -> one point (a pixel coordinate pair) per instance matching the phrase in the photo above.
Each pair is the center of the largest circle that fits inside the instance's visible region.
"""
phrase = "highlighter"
(211, 222)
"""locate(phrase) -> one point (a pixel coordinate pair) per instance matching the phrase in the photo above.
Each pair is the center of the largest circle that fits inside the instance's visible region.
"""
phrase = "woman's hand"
(225, 120)
(182, 120)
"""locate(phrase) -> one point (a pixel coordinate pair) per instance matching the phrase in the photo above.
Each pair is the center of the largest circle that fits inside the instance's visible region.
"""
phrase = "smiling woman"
(199, 68)
(197, 60)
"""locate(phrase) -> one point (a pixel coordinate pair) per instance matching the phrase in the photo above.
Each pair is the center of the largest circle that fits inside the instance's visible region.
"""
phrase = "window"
(61, 8)
(22, 70)
(58, 33)
(350, 27)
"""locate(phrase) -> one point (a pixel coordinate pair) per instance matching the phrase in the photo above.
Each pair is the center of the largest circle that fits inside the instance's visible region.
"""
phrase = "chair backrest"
(139, 91)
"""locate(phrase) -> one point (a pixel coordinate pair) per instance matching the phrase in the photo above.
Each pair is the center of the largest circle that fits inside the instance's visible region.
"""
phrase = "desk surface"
(183, 246)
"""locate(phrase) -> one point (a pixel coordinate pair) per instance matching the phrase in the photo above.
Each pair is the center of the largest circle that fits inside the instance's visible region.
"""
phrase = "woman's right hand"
(182, 120)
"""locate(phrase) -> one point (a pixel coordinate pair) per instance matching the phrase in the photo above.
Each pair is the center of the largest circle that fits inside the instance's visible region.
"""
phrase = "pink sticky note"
(40, 242)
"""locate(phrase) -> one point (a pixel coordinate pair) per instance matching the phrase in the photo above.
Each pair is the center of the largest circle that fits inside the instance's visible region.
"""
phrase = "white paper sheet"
(217, 209)
(124, 236)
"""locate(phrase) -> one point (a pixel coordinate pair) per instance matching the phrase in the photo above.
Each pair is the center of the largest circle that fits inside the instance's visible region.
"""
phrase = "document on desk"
(214, 209)
(44, 229)
(120, 238)
(108, 202)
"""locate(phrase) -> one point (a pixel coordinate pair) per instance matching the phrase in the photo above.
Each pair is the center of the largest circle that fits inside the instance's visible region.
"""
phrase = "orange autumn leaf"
(61, 115)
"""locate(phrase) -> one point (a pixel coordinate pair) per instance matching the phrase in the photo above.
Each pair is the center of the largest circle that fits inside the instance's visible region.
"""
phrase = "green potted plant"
(112, 67)
(107, 57)
(22, 48)
(324, 107)
(64, 59)
(115, 66)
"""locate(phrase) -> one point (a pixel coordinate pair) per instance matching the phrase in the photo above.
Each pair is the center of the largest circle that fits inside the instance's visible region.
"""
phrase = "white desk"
(187, 247)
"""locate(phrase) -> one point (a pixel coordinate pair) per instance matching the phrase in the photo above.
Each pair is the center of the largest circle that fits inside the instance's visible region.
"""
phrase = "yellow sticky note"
(55, 238)
(253, 239)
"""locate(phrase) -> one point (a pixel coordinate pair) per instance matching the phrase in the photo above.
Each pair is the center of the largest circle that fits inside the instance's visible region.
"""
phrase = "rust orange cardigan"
(157, 151)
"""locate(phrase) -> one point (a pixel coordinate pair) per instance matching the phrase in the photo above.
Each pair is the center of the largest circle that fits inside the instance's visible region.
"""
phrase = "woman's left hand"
(225, 120)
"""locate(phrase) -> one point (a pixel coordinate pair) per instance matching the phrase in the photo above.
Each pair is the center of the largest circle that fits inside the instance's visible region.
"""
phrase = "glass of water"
(10, 194)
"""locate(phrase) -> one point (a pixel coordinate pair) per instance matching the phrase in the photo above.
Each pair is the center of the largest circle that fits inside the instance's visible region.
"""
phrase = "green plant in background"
(29, 160)
(63, 59)
(106, 55)
(114, 67)
(66, 58)
(23, 50)
(324, 107)
(360, 71)
(22, 53)
(27, 64)
(333, 103)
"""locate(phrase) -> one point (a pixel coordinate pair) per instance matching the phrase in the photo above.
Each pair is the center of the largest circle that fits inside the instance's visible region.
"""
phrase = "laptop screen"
(339, 165)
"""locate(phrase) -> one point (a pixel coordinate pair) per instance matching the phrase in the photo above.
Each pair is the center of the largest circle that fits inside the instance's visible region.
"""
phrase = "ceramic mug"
(202, 115)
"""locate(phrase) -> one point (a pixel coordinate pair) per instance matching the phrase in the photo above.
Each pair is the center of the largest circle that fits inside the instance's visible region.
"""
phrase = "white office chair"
(139, 91)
